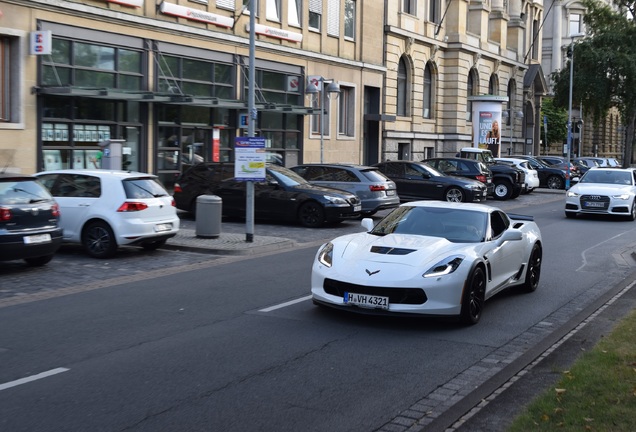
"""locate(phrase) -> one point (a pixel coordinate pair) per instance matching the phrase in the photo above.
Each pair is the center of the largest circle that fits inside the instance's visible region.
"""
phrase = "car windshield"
(455, 225)
(21, 191)
(286, 176)
(144, 188)
(607, 177)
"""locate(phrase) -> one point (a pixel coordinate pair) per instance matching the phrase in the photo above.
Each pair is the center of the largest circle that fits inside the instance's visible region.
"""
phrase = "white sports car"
(429, 258)
(603, 191)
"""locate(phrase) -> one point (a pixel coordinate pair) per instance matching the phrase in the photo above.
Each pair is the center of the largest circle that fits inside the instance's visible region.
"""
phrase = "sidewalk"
(227, 243)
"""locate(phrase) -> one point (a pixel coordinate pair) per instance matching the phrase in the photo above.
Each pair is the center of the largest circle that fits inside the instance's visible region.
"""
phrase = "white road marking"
(282, 305)
(32, 378)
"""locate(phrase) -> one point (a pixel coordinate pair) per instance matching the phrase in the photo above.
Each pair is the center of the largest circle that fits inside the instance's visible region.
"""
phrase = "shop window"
(315, 15)
(195, 77)
(350, 19)
(275, 87)
(346, 111)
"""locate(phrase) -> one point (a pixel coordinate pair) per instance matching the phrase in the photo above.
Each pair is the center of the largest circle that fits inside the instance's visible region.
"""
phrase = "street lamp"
(506, 114)
(570, 54)
(314, 90)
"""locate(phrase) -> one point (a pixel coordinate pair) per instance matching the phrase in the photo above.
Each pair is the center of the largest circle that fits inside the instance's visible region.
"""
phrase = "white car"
(103, 209)
(429, 258)
(603, 191)
(532, 176)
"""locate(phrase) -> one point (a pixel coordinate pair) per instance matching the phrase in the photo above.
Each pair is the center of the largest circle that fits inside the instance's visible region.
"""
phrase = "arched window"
(493, 85)
(512, 90)
(429, 91)
(402, 88)
(470, 91)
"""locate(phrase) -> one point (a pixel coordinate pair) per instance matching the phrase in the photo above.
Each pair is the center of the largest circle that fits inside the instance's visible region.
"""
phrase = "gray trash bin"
(208, 217)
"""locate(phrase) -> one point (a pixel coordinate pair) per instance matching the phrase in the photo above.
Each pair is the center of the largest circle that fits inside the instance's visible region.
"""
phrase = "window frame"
(350, 20)
(346, 112)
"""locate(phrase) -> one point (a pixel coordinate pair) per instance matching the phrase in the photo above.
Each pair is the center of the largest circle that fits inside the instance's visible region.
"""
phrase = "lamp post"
(506, 114)
(315, 88)
(569, 141)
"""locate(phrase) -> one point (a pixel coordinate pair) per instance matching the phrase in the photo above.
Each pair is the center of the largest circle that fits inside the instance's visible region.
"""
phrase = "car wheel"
(474, 297)
(533, 274)
(555, 182)
(570, 215)
(503, 190)
(311, 215)
(632, 213)
(38, 261)
(154, 245)
(454, 194)
(98, 240)
(515, 192)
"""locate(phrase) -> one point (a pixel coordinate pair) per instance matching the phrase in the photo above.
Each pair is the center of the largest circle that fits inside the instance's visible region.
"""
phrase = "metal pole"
(512, 128)
(569, 141)
(322, 117)
(249, 207)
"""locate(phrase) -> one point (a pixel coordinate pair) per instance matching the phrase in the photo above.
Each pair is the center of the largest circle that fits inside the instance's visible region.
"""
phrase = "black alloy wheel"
(311, 215)
(555, 182)
(454, 194)
(474, 297)
(533, 274)
(98, 240)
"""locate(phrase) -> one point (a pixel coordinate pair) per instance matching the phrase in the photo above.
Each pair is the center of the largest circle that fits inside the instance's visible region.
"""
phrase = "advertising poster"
(250, 158)
(490, 131)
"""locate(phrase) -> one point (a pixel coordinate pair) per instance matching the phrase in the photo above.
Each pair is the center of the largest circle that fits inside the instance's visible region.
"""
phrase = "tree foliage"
(557, 122)
(604, 66)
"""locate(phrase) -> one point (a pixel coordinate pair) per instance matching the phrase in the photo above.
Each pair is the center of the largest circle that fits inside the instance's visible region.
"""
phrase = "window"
(409, 7)
(273, 10)
(575, 24)
(427, 97)
(315, 14)
(493, 85)
(470, 91)
(294, 12)
(511, 100)
(346, 111)
(229, 4)
(333, 18)
(350, 19)
(433, 11)
(273, 87)
(247, 4)
(402, 86)
(7, 79)
(320, 101)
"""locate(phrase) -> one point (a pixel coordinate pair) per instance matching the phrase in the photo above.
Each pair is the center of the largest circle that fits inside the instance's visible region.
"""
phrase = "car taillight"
(132, 207)
(5, 214)
(55, 210)
(481, 178)
(177, 188)
(377, 188)
(174, 204)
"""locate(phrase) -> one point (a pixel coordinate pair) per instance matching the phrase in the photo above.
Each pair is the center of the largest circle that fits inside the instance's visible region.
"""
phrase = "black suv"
(461, 167)
(29, 220)
(549, 177)
(283, 196)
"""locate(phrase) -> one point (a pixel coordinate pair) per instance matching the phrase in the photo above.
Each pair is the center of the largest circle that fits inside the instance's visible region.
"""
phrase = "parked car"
(562, 164)
(531, 180)
(429, 258)
(29, 220)
(417, 180)
(603, 190)
(586, 162)
(599, 161)
(462, 167)
(508, 180)
(375, 190)
(283, 196)
(549, 177)
(102, 209)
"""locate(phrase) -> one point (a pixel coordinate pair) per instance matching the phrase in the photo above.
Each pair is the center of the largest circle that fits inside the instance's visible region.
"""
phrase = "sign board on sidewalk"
(249, 162)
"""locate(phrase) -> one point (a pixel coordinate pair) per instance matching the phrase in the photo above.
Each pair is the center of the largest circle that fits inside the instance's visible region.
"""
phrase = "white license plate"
(390, 192)
(594, 204)
(357, 208)
(38, 238)
(367, 301)
(163, 227)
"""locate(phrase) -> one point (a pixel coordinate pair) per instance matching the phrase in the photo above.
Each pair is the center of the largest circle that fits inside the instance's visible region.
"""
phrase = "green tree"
(604, 66)
(557, 119)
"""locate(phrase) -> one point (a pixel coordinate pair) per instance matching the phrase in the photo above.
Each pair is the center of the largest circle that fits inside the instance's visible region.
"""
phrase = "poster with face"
(490, 131)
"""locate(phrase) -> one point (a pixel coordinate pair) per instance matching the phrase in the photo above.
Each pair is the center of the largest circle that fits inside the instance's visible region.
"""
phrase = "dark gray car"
(375, 190)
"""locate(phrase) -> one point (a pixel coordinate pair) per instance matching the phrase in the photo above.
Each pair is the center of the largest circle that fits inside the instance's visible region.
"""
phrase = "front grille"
(395, 294)
(593, 203)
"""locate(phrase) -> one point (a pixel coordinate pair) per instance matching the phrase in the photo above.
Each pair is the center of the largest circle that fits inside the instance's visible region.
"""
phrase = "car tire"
(474, 297)
(98, 240)
(38, 261)
(555, 182)
(515, 193)
(154, 245)
(533, 274)
(503, 190)
(311, 215)
(454, 194)
(570, 215)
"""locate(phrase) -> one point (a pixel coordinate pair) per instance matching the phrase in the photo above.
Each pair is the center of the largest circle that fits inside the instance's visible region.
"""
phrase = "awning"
(169, 98)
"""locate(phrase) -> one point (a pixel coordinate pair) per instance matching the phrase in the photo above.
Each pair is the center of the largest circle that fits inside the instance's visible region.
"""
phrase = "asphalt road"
(179, 341)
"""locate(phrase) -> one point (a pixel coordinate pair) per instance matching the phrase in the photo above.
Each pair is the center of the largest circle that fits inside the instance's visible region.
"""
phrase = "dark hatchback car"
(283, 196)
(417, 181)
(461, 167)
(549, 177)
(29, 220)
(375, 190)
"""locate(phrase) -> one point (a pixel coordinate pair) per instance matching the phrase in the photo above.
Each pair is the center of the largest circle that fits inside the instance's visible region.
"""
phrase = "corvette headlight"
(571, 194)
(325, 256)
(444, 267)
(335, 200)
(621, 196)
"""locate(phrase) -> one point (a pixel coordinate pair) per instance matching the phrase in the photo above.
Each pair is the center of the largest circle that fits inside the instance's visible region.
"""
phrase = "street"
(183, 341)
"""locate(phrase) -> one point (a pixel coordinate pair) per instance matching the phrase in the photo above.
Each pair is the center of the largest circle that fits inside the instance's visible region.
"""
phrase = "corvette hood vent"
(385, 250)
